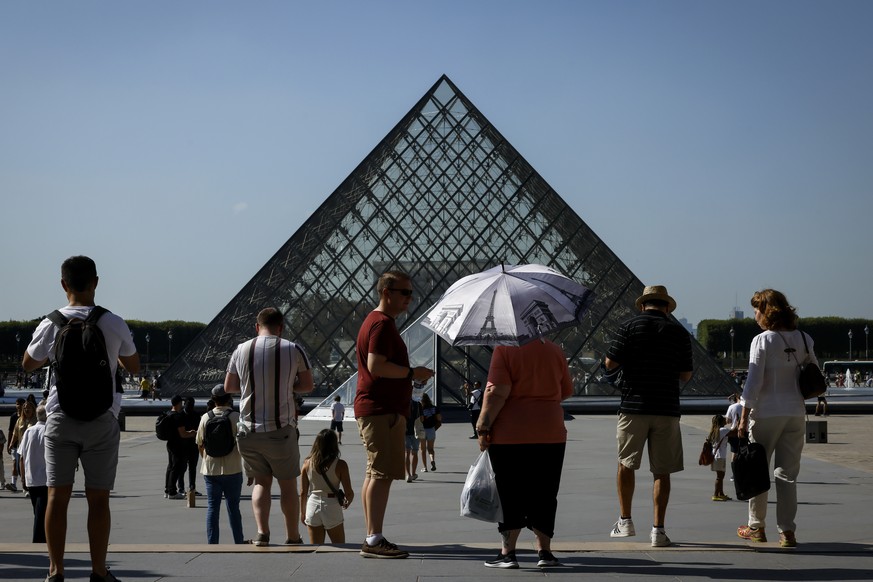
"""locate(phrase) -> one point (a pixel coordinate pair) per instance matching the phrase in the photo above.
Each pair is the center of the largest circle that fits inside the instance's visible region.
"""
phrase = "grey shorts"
(271, 453)
(94, 443)
(662, 435)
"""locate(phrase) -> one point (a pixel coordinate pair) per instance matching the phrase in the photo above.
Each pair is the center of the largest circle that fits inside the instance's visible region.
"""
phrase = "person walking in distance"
(655, 354)
(81, 429)
(337, 414)
(266, 371)
(382, 400)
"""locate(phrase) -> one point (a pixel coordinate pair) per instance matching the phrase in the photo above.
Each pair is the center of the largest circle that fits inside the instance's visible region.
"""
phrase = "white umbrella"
(508, 305)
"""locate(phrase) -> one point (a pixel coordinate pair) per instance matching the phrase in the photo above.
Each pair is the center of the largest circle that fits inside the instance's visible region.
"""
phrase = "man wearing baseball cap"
(654, 352)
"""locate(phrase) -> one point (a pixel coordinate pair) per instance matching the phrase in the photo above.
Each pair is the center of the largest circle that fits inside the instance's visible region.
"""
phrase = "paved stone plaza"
(156, 539)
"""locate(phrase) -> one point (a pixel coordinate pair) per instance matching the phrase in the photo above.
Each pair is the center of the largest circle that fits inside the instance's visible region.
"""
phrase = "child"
(718, 438)
(320, 510)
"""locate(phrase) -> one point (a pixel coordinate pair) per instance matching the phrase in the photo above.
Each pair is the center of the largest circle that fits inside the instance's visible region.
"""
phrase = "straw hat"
(658, 292)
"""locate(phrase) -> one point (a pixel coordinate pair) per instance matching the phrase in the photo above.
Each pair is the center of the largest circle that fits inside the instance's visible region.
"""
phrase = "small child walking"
(320, 478)
(718, 439)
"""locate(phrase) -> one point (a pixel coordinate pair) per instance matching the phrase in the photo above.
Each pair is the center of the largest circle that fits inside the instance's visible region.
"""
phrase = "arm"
(379, 366)
(29, 364)
(304, 383)
(610, 364)
(130, 363)
(342, 471)
(304, 490)
(685, 376)
(231, 383)
(492, 403)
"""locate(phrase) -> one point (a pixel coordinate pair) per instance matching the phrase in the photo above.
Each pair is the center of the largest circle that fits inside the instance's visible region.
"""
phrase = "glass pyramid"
(443, 195)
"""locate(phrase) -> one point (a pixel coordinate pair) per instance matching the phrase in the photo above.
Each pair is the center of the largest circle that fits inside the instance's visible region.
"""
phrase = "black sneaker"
(503, 561)
(547, 559)
(109, 577)
(383, 549)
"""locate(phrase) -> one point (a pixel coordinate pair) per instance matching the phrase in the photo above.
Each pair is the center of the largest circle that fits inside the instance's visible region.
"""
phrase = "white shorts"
(323, 512)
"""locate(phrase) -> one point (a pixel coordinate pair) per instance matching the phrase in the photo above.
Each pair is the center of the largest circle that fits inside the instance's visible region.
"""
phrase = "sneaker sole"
(503, 566)
(614, 534)
(545, 564)
(384, 556)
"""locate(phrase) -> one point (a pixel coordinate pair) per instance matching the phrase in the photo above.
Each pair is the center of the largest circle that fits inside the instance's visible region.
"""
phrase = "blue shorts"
(411, 442)
(430, 434)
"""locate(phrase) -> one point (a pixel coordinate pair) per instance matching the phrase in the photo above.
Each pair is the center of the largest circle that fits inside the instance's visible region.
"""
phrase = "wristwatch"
(411, 373)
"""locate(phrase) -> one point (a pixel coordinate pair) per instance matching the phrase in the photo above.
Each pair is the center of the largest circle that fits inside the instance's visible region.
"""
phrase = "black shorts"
(336, 425)
(733, 443)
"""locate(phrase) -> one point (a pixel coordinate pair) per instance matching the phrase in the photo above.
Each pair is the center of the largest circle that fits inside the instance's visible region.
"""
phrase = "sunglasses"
(404, 292)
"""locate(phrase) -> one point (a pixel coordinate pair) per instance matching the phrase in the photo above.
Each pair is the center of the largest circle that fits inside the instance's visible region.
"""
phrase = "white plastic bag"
(479, 498)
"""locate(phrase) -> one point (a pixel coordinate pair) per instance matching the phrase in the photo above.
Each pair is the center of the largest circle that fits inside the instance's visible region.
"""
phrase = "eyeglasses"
(404, 292)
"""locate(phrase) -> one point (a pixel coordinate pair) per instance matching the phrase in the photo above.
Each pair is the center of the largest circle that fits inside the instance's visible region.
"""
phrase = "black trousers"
(177, 461)
(39, 500)
(528, 479)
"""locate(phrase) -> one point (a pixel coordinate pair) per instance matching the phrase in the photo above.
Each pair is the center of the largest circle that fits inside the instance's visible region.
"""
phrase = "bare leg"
(719, 483)
(625, 483)
(430, 451)
(544, 542)
(290, 503)
(423, 445)
(365, 488)
(660, 497)
(316, 534)
(508, 540)
(261, 502)
(375, 503)
(56, 526)
(99, 526)
(337, 534)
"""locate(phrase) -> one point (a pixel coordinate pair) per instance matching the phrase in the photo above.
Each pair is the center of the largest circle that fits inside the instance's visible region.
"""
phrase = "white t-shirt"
(119, 342)
(32, 450)
(733, 414)
(338, 410)
(476, 399)
(719, 447)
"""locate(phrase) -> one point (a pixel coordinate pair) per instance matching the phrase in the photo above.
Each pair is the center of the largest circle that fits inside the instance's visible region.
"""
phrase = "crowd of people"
(259, 444)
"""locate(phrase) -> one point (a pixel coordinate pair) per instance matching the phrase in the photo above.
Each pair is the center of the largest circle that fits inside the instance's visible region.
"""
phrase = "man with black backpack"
(222, 465)
(85, 344)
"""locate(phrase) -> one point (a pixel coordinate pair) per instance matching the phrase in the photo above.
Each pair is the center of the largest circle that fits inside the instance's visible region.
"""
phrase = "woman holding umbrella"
(522, 427)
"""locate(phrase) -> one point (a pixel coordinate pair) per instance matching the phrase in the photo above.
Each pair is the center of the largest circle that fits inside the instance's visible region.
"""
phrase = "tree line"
(153, 339)
(831, 336)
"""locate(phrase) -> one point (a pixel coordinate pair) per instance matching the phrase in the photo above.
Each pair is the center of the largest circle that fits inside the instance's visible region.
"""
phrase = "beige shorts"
(718, 465)
(384, 439)
(664, 438)
(271, 453)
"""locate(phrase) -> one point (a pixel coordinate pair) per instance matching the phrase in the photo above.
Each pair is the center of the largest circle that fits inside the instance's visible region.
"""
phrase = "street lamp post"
(17, 346)
(148, 351)
(850, 344)
(866, 341)
(732, 348)
(170, 349)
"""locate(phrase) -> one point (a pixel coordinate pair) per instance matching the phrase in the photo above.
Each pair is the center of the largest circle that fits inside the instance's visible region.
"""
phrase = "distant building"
(687, 325)
(736, 314)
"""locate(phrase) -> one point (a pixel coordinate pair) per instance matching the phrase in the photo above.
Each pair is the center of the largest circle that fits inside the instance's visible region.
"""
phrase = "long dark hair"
(325, 449)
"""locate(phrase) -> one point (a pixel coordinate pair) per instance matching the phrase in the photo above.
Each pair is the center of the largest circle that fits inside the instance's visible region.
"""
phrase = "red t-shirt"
(379, 335)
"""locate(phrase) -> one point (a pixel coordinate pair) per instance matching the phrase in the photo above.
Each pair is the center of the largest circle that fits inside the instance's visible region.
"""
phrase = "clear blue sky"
(716, 147)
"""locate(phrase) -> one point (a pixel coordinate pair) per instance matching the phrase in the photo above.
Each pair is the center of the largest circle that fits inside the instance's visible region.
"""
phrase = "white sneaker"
(623, 528)
(659, 538)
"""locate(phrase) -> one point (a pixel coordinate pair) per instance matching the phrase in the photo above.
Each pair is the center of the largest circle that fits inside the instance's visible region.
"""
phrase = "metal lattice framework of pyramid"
(443, 195)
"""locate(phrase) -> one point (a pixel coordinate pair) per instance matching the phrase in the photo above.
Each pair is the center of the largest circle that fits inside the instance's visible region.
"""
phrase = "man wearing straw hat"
(655, 354)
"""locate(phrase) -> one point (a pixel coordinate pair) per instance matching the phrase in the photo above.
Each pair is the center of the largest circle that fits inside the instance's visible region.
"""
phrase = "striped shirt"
(267, 367)
(653, 350)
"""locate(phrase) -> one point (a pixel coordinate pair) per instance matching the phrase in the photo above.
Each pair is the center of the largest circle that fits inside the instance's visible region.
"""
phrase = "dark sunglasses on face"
(404, 292)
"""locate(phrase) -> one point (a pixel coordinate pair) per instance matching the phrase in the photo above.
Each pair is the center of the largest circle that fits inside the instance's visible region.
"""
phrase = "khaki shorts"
(384, 438)
(664, 438)
(271, 453)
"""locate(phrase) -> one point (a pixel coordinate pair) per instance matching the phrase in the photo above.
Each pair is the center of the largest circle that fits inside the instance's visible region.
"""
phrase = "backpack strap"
(57, 318)
(96, 314)
(210, 414)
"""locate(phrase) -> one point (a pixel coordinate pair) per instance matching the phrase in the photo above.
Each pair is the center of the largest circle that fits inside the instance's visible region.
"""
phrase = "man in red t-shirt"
(382, 403)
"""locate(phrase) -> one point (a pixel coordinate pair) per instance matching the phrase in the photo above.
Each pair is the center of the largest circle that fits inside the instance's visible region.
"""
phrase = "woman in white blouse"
(773, 410)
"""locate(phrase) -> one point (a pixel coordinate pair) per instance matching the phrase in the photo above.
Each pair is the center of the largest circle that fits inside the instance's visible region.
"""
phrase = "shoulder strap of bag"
(329, 484)
(792, 349)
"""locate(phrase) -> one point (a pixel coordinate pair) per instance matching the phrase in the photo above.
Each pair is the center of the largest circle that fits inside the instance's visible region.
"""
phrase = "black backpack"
(166, 426)
(219, 437)
(81, 367)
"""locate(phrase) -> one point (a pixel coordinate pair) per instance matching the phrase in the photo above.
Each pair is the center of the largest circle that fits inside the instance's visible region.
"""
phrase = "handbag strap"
(793, 351)
(329, 484)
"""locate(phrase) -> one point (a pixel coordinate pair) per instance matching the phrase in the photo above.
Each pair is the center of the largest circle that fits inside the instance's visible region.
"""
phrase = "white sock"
(374, 539)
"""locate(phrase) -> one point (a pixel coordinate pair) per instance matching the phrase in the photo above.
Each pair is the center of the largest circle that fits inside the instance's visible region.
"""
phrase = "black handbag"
(811, 381)
(751, 470)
